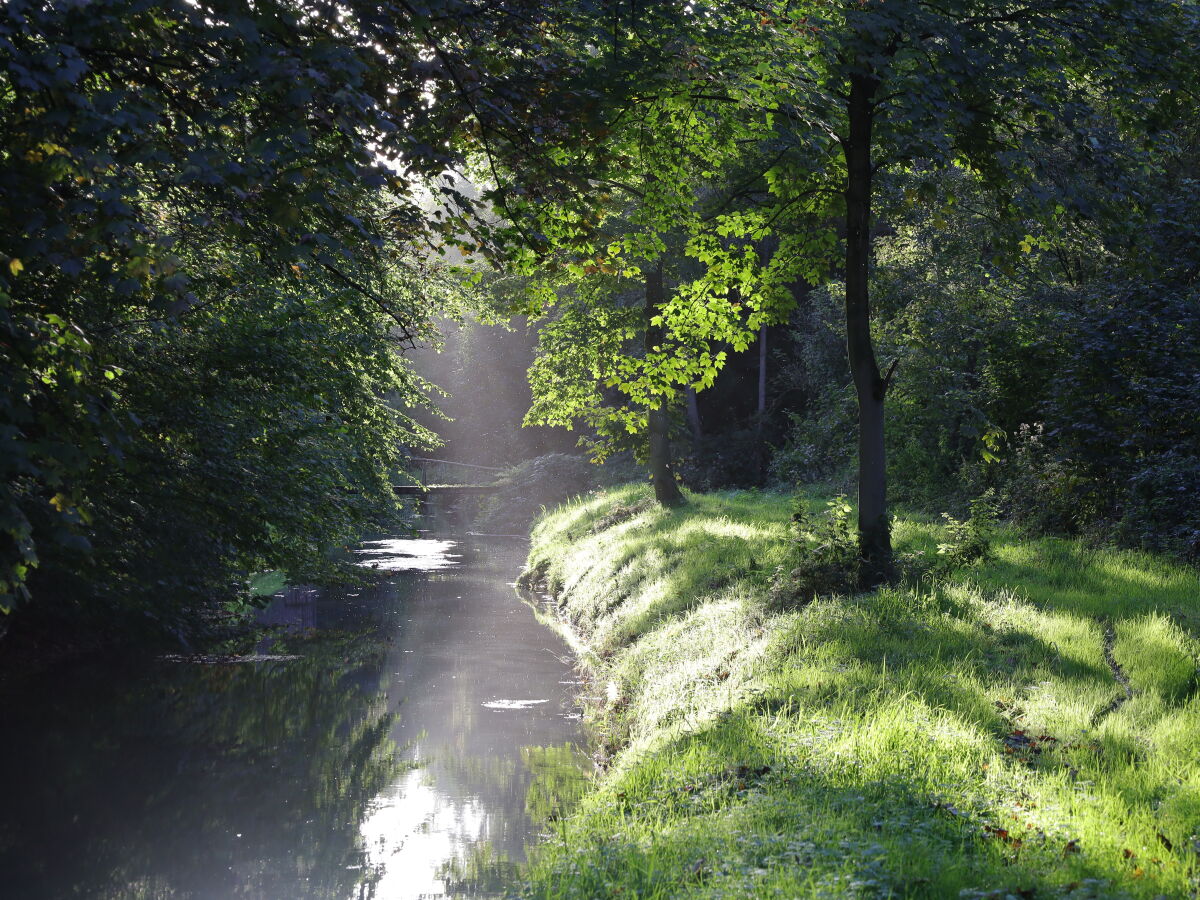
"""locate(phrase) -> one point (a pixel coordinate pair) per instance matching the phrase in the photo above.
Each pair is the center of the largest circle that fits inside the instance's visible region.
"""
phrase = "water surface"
(402, 740)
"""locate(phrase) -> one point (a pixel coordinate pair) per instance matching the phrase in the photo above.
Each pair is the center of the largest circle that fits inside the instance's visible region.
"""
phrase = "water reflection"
(200, 781)
(408, 555)
(421, 740)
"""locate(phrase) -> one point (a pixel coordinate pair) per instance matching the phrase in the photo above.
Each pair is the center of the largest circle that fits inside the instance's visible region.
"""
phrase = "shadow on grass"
(740, 809)
(918, 741)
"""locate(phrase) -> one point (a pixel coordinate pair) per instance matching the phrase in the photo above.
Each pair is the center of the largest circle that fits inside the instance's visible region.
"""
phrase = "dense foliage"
(1063, 377)
(209, 217)
(984, 204)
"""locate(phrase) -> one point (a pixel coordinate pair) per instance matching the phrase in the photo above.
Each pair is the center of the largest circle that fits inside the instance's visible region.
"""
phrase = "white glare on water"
(401, 555)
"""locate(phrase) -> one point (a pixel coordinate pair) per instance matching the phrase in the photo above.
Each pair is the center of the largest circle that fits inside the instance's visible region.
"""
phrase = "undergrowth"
(1023, 726)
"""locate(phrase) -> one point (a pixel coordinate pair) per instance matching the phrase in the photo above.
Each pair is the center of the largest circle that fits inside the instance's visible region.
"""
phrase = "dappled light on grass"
(1098, 582)
(962, 735)
(724, 529)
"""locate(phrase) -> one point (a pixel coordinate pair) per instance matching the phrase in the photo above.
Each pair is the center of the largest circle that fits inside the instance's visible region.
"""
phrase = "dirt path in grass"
(1110, 638)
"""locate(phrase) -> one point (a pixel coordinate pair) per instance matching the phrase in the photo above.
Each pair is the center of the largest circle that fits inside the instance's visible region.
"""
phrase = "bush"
(815, 375)
(827, 559)
(734, 459)
(970, 541)
(1037, 488)
(1160, 506)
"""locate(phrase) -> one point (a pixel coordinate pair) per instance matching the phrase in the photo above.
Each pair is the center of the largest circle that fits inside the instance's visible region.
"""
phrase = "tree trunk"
(762, 375)
(666, 490)
(693, 415)
(760, 416)
(662, 474)
(874, 534)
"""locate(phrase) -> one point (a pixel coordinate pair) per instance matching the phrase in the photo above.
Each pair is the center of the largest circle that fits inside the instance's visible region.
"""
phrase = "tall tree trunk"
(693, 414)
(662, 474)
(760, 416)
(874, 536)
(762, 376)
(666, 490)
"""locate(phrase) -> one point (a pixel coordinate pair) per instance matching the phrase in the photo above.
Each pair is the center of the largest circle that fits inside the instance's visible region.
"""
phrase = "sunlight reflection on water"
(414, 827)
(405, 738)
(512, 704)
(408, 555)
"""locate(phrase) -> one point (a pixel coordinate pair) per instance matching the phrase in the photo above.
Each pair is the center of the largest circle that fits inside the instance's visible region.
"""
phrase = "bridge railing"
(438, 471)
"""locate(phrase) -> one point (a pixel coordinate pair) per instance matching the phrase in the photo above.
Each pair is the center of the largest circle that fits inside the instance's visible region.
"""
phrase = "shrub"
(729, 460)
(1160, 510)
(970, 541)
(826, 559)
(1038, 487)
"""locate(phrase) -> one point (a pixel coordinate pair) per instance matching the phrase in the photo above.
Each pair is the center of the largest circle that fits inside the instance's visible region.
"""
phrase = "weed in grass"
(825, 555)
(970, 541)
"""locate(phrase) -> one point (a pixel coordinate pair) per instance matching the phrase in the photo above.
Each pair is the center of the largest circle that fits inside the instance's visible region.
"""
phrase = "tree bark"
(762, 376)
(874, 533)
(693, 414)
(760, 415)
(662, 473)
(666, 490)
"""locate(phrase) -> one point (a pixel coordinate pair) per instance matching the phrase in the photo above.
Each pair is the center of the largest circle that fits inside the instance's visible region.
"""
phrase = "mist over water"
(483, 369)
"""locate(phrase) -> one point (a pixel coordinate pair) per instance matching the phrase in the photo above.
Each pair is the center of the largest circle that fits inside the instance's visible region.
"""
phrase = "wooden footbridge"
(432, 480)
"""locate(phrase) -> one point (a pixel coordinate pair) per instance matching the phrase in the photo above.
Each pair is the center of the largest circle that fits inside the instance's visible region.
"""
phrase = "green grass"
(960, 739)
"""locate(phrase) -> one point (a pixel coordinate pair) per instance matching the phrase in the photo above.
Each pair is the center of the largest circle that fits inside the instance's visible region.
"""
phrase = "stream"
(407, 739)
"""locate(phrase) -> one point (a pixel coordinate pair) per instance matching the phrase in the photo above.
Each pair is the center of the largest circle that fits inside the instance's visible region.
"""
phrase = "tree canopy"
(848, 105)
(186, 188)
(222, 225)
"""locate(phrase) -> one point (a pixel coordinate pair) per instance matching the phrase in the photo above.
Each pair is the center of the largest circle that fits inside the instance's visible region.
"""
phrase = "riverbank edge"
(631, 749)
(40, 638)
(31, 651)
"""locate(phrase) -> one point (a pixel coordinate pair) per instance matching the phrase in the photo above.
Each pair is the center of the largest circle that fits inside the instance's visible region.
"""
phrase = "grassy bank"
(1024, 727)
